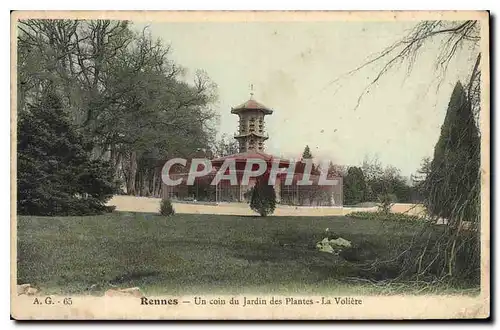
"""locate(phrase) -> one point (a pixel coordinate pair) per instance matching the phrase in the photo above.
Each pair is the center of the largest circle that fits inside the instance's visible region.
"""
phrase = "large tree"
(456, 254)
(56, 174)
(451, 184)
(225, 146)
(123, 92)
(354, 186)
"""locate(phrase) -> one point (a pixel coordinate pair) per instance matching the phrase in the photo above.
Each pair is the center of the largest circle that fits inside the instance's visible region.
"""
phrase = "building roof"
(251, 105)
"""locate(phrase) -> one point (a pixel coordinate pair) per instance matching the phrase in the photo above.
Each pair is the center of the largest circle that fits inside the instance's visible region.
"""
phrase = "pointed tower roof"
(251, 104)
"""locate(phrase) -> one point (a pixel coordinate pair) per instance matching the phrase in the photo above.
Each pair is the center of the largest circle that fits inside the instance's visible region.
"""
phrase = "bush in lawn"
(166, 207)
(263, 197)
(400, 217)
(56, 174)
(385, 203)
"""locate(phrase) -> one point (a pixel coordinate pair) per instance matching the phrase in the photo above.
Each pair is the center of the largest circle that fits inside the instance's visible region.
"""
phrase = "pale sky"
(292, 66)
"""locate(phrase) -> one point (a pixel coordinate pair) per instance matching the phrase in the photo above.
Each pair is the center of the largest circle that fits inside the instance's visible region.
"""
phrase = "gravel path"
(146, 204)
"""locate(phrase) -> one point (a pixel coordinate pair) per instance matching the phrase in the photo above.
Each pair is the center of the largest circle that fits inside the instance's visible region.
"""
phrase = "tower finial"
(251, 91)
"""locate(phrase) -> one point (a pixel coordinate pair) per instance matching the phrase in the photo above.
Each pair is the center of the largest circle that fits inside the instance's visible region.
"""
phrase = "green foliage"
(452, 187)
(452, 191)
(385, 202)
(56, 175)
(336, 170)
(385, 180)
(419, 178)
(306, 154)
(370, 181)
(383, 216)
(354, 186)
(225, 146)
(166, 207)
(123, 92)
(453, 183)
(263, 199)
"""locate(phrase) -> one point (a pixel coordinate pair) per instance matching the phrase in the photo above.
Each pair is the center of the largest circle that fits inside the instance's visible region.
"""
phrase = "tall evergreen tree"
(452, 184)
(306, 154)
(354, 186)
(56, 175)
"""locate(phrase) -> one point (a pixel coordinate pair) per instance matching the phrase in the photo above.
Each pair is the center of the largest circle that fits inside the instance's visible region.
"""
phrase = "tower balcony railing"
(266, 135)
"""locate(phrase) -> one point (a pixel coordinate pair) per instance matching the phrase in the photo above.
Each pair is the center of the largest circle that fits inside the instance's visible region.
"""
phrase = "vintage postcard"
(250, 165)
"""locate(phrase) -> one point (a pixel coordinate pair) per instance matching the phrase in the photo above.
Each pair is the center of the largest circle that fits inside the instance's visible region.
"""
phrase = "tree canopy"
(354, 186)
(121, 90)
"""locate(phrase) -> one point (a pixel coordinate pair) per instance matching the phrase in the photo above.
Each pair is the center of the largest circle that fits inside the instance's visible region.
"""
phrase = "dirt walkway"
(146, 204)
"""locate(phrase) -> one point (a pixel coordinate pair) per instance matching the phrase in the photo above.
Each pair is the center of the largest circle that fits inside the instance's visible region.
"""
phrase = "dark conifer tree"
(306, 154)
(354, 186)
(55, 172)
(263, 199)
(454, 173)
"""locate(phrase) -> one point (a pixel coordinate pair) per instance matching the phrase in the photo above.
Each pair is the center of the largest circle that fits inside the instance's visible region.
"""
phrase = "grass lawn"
(190, 253)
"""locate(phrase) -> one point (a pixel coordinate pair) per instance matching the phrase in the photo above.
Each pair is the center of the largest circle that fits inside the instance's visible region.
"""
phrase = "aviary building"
(251, 137)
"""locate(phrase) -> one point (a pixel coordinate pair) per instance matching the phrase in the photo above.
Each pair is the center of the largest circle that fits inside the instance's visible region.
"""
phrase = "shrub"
(166, 207)
(386, 216)
(385, 203)
(263, 197)
(110, 208)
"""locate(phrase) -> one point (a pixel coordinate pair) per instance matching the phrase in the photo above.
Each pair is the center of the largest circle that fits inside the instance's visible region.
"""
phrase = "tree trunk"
(116, 159)
(159, 182)
(145, 184)
(153, 188)
(132, 171)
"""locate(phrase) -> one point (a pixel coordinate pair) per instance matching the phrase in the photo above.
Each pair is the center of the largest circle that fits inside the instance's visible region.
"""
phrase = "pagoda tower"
(251, 133)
